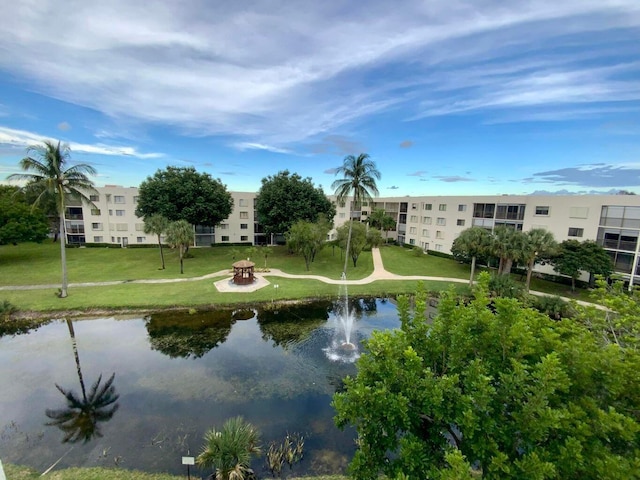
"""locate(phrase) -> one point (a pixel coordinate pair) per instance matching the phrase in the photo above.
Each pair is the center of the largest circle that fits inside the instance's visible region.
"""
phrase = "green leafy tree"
(374, 237)
(286, 198)
(321, 229)
(19, 222)
(472, 243)
(180, 236)
(156, 224)
(301, 239)
(230, 449)
(539, 244)
(573, 257)
(352, 238)
(49, 175)
(179, 193)
(359, 181)
(496, 393)
(46, 203)
(388, 225)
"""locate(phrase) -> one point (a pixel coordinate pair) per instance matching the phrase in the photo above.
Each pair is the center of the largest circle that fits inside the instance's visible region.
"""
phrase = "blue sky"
(448, 97)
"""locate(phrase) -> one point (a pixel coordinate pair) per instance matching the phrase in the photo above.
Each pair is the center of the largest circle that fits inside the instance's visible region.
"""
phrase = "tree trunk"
(346, 254)
(63, 255)
(473, 270)
(529, 272)
(500, 265)
(181, 258)
(161, 252)
(506, 267)
(573, 283)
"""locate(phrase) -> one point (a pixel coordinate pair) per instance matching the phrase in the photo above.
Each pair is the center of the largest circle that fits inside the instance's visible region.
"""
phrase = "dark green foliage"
(7, 309)
(574, 257)
(500, 393)
(179, 193)
(308, 238)
(354, 235)
(18, 221)
(555, 307)
(435, 253)
(286, 198)
(505, 286)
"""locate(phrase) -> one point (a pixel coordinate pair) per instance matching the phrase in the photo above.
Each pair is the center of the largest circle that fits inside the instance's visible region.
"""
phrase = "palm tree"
(472, 242)
(157, 225)
(360, 175)
(539, 242)
(47, 162)
(508, 246)
(230, 449)
(180, 236)
(80, 419)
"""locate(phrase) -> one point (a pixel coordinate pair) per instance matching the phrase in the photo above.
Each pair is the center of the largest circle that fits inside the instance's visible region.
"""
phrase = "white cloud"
(275, 73)
(259, 146)
(23, 139)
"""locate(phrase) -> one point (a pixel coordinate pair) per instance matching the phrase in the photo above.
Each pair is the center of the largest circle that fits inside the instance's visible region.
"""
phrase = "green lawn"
(39, 264)
(14, 472)
(33, 264)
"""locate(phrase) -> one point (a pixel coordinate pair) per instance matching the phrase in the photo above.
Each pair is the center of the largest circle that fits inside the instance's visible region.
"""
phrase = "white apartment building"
(428, 222)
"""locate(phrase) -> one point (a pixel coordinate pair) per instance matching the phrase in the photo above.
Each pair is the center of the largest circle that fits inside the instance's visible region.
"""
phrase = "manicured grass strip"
(403, 261)
(14, 472)
(199, 293)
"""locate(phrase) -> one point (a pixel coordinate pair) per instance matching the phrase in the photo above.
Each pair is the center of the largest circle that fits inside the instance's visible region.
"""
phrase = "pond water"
(176, 376)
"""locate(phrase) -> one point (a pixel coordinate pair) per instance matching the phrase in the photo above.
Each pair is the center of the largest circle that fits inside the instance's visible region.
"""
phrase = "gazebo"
(243, 272)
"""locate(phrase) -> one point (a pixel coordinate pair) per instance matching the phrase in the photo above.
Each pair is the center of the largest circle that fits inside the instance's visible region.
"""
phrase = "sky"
(449, 97)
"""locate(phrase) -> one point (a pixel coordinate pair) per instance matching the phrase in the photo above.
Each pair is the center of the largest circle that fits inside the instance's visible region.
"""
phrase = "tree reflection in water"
(80, 419)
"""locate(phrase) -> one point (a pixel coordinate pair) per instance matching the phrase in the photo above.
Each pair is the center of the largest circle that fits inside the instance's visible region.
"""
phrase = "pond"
(176, 375)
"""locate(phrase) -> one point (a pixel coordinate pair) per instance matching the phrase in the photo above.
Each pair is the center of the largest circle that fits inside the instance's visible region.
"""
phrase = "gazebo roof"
(243, 264)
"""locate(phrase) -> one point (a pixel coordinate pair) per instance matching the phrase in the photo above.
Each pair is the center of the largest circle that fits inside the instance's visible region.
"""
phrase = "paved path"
(379, 273)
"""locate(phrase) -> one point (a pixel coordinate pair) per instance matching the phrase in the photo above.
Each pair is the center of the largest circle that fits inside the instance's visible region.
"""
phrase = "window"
(442, 207)
(364, 213)
(427, 206)
(462, 208)
(139, 227)
(414, 218)
(113, 239)
(244, 214)
(412, 241)
(439, 234)
(427, 220)
(438, 247)
(341, 215)
(575, 232)
(425, 233)
(95, 211)
(96, 226)
(94, 198)
(414, 206)
(441, 221)
(579, 212)
(119, 213)
(118, 199)
(542, 210)
(244, 226)
(223, 226)
(412, 230)
(225, 238)
(244, 238)
(484, 210)
(135, 199)
(110, 212)
(460, 222)
(122, 227)
(98, 239)
(140, 239)
(242, 202)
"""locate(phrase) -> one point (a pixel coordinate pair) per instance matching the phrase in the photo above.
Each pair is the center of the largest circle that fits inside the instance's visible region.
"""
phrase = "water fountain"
(342, 348)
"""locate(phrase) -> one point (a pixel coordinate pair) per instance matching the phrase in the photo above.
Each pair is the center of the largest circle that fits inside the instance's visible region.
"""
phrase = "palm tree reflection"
(80, 419)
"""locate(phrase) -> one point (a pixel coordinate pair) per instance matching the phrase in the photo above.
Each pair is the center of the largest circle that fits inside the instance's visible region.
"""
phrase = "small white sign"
(188, 461)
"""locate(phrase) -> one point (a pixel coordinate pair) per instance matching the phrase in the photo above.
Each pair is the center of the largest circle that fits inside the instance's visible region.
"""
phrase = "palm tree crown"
(360, 175)
(49, 175)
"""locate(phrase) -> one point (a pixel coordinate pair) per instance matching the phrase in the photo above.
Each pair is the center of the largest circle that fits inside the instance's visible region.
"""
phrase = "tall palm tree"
(230, 449)
(50, 176)
(508, 246)
(157, 225)
(360, 175)
(539, 242)
(80, 419)
(180, 236)
(472, 242)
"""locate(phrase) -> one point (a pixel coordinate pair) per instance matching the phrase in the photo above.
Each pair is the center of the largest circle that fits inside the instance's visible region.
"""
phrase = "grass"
(27, 264)
(14, 472)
